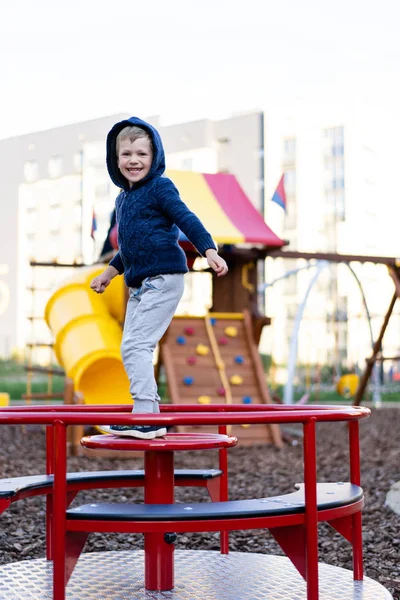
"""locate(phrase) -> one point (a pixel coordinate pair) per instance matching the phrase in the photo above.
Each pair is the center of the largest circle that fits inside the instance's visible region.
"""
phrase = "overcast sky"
(184, 59)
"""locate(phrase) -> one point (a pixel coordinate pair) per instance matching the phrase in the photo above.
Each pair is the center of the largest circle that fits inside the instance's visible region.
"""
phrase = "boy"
(149, 212)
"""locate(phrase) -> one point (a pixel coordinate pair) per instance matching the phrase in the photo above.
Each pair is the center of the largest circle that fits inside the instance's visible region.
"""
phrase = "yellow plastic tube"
(87, 331)
(113, 298)
(4, 399)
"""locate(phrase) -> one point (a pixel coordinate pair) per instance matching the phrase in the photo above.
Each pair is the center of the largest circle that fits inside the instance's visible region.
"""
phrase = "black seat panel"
(329, 495)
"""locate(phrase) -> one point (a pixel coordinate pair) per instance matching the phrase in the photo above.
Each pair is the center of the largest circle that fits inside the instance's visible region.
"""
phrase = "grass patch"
(16, 388)
(10, 368)
(332, 397)
(13, 380)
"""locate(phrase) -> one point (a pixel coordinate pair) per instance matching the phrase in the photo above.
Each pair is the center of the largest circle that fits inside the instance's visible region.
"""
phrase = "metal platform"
(199, 575)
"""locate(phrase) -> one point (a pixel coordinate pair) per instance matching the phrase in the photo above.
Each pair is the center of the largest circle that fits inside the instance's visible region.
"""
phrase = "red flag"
(280, 195)
(94, 225)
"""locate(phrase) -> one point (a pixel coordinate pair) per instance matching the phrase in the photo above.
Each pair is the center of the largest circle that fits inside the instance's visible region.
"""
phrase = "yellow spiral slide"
(87, 332)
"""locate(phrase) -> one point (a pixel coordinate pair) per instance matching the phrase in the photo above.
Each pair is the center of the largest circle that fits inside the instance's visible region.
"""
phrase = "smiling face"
(134, 159)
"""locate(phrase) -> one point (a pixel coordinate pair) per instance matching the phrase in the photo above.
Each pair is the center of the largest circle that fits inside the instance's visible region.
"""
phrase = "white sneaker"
(143, 432)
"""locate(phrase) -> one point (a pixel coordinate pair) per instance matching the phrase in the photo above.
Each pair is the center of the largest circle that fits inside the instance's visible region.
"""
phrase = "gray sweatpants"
(149, 312)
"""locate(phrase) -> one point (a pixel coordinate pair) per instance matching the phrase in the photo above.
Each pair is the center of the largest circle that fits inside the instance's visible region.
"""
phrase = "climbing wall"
(213, 360)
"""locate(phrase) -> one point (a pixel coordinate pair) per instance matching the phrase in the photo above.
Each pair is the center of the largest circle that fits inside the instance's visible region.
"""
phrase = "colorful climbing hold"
(189, 330)
(202, 349)
(204, 400)
(181, 340)
(188, 380)
(236, 380)
(247, 399)
(239, 360)
(222, 341)
(221, 391)
(230, 331)
(213, 320)
(192, 360)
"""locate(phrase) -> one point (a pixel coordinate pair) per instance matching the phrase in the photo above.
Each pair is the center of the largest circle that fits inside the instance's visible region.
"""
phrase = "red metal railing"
(60, 417)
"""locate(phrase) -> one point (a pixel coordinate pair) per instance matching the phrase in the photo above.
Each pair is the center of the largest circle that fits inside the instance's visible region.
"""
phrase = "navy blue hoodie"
(149, 215)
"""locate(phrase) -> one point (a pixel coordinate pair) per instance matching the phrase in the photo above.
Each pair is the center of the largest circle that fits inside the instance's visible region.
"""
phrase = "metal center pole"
(158, 489)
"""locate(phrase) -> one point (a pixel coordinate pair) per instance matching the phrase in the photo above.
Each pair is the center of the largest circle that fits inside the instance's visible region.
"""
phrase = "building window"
(338, 150)
(289, 150)
(334, 172)
(290, 288)
(55, 197)
(78, 214)
(30, 200)
(290, 181)
(55, 166)
(78, 161)
(330, 203)
(291, 214)
(31, 171)
(54, 218)
(340, 205)
(291, 311)
(53, 247)
(342, 310)
(334, 141)
(31, 220)
(77, 244)
(290, 284)
(30, 246)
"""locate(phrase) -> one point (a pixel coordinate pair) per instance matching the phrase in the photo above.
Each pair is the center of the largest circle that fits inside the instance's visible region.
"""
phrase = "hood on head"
(158, 164)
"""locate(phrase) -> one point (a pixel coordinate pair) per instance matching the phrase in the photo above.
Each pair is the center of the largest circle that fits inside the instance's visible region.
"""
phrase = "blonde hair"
(132, 133)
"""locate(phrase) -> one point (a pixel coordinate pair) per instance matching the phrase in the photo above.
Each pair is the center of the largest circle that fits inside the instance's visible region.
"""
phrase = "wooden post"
(375, 351)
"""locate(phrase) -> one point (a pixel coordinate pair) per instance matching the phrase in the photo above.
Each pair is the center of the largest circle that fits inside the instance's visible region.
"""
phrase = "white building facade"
(54, 182)
(338, 200)
(335, 178)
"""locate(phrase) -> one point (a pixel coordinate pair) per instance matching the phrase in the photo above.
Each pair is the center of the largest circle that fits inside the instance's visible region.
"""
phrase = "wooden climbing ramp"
(212, 360)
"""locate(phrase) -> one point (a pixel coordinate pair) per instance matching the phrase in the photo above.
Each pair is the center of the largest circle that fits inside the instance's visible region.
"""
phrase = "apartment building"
(334, 167)
(54, 182)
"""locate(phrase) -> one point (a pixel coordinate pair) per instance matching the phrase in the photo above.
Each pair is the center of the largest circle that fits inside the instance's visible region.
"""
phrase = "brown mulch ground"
(254, 472)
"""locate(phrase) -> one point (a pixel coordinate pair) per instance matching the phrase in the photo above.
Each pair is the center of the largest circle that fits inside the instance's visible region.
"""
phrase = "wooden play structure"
(225, 366)
(214, 359)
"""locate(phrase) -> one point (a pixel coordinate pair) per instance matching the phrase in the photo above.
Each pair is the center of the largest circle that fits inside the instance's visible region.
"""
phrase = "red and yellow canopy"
(223, 208)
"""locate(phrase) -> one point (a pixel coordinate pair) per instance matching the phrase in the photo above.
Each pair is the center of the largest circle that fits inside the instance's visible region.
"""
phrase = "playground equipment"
(244, 240)
(292, 518)
(238, 291)
(87, 328)
(213, 358)
(4, 399)
(323, 259)
(87, 331)
(347, 385)
(205, 358)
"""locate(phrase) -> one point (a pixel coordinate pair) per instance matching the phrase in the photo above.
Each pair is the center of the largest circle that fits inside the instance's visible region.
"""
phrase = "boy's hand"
(216, 262)
(99, 283)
